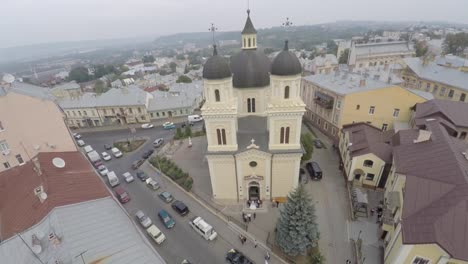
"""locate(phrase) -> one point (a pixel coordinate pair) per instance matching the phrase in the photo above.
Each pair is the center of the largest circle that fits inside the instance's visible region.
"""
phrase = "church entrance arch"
(254, 191)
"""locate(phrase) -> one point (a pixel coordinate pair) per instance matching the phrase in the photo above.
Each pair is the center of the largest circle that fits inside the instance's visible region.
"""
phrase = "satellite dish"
(43, 196)
(36, 249)
(8, 78)
(58, 162)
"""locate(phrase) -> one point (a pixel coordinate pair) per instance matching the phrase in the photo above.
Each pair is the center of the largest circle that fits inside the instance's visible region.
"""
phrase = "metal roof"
(67, 86)
(250, 68)
(249, 28)
(286, 63)
(216, 67)
(370, 49)
(454, 111)
(436, 73)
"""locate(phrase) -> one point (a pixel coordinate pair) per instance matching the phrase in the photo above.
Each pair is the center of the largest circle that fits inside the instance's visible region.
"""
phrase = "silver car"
(144, 220)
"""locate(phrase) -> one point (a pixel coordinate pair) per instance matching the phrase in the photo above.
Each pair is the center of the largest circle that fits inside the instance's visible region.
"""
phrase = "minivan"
(314, 170)
(121, 194)
(113, 180)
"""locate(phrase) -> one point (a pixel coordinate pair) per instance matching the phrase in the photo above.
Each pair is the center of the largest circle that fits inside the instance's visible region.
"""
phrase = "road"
(182, 241)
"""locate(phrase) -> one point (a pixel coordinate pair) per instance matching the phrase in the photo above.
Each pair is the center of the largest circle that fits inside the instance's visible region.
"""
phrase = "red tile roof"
(21, 209)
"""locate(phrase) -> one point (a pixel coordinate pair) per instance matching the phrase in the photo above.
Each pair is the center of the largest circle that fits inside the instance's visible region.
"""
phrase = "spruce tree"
(296, 229)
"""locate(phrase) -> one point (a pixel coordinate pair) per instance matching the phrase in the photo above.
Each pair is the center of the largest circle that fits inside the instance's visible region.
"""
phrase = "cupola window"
(217, 96)
(286, 92)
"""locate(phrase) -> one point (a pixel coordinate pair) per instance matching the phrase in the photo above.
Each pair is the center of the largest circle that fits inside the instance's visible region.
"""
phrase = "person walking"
(348, 261)
(254, 215)
(255, 243)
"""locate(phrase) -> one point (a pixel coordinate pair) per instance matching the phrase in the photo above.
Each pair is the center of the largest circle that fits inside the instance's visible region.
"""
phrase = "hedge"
(171, 169)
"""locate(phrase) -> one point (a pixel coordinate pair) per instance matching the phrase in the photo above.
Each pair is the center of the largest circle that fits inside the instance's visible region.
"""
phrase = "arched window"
(254, 44)
(249, 43)
(368, 163)
(218, 134)
(284, 135)
(286, 92)
(217, 96)
(245, 42)
(251, 105)
(249, 108)
(221, 135)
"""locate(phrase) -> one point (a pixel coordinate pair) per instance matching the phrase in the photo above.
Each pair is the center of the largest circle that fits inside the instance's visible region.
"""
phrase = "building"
(340, 98)
(30, 123)
(366, 154)
(379, 53)
(442, 81)
(253, 115)
(323, 64)
(56, 209)
(426, 196)
(66, 90)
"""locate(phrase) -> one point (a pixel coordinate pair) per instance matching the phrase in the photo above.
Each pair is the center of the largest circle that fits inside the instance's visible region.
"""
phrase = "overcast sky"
(24, 22)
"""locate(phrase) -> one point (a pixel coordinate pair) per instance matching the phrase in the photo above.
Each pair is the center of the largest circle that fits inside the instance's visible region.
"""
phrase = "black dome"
(250, 68)
(216, 67)
(286, 63)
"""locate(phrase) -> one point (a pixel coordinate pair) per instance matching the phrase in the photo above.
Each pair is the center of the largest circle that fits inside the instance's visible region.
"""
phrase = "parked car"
(152, 184)
(128, 177)
(80, 143)
(106, 156)
(146, 126)
(318, 143)
(103, 170)
(166, 196)
(156, 234)
(203, 228)
(180, 208)
(166, 218)
(195, 118)
(233, 256)
(168, 125)
(314, 170)
(141, 175)
(88, 148)
(116, 152)
(186, 124)
(148, 153)
(97, 163)
(137, 163)
(107, 146)
(121, 194)
(158, 142)
(76, 135)
(144, 220)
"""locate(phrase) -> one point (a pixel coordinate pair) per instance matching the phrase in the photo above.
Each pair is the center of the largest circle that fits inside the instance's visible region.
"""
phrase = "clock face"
(253, 164)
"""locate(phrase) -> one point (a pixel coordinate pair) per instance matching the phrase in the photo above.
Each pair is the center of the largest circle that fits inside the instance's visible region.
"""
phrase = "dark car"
(137, 163)
(180, 208)
(141, 175)
(318, 143)
(148, 153)
(166, 218)
(107, 146)
(121, 194)
(233, 256)
(314, 170)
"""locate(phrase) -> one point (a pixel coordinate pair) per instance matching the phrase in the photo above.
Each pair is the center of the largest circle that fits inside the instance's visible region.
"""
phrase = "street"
(182, 241)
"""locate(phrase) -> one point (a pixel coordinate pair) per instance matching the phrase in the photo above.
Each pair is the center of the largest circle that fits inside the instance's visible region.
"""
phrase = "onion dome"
(216, 67)
(286, 63)
(250, 68)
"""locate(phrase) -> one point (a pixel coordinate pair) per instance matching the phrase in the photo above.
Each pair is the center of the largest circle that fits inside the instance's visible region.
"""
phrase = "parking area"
(182, 241)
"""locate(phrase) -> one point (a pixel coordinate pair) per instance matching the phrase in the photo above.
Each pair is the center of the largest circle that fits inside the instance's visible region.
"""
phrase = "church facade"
(253, 115)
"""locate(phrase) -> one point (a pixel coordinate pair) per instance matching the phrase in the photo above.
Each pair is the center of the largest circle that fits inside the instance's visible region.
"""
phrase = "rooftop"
(437, 73)
(328, 58)
(68, 86)
(29, 90)
(453, 111)
(382, 47)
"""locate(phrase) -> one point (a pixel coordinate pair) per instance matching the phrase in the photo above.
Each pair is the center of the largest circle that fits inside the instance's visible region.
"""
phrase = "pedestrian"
(348, 261)
(267, 256)
(245, 239)
(277, 203)
(255, 243)
(244, 218)
(255, 215)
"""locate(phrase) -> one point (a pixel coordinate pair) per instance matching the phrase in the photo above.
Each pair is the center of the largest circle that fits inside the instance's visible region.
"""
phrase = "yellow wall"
(223, 177)
(385, 100)
(393, 254)
(376, 169)
(285, 165)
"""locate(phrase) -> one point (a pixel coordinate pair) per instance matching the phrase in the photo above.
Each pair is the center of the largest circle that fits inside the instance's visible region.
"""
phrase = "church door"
(254, 191)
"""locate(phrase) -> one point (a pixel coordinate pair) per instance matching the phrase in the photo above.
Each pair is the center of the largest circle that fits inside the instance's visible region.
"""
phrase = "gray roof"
(216, 67)
(100, 228)
(180, 95)
(321, 61)
(453, 111)
(436, 73)
(436, 190)
(286, 63)
(68, 86)
(423, 94)
(250, 68)
(129, 96)
(252, 127)
(30, 90)
(382, 47)
(249, 28)
(451, 60)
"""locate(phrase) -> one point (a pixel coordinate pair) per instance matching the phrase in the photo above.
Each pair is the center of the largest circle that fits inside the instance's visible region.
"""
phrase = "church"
(253, 115)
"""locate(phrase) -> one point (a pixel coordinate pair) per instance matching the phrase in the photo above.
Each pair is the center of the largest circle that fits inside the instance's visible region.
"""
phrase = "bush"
(308, 144)
(170, 169)
(188, 131)
(188, 183)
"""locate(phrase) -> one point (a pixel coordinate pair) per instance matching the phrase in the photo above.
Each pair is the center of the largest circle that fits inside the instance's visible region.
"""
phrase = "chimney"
(423, 136)
(362, 82)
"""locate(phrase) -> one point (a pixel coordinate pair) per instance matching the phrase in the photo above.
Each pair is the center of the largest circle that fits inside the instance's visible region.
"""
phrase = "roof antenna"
(287, 25)
(213, 29)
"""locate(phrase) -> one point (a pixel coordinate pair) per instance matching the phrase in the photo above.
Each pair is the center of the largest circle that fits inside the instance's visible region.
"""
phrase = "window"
(436, 87)
(19, 159)
(245, 43)
(130, 111)
(139, 110)
(157, 114)
(325, 125)
(463, 135)
(428, 86)
(450, 94)
(151, 114)
(79, 113)
(84, 113)
(221, 135)
(253, 42)
(335, 119)
(253, 164)
(396, 112)
(6, 165)
(371, 110)
(217, 96)
(121, 110)
(370, 177)
(143, 118)
(163, 113)
(251, 105)
(338, 104)
(1, 126)
(442, 91)
(286, 92)
(384, 127)
(249, 43)
(284, 135)
(4, 146)
(358, 107)
(419, 260)
(368, 163)
(463, 97)
(181, 111)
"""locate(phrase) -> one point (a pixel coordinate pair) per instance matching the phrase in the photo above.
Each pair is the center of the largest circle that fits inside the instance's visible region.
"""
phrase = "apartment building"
(333, 100)
(322, 64)
(379, 53)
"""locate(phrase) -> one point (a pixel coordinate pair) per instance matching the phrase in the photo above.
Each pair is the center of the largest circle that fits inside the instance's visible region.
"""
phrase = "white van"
(88, 148)
(203, 228)
(156, 234)
(195, 118)
(117, 153)
(113, 180)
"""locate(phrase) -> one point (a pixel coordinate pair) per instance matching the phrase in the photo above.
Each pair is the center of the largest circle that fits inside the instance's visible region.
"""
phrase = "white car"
(144, 220)
(146, 126)
(117, 153)
(80, 143)
(106, 156)
(103, 170)
(76, 135)
(88, 148)
(128, 178)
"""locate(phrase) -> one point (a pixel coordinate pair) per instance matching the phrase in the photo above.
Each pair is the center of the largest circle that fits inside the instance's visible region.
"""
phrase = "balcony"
(390, 209)
(324, 100)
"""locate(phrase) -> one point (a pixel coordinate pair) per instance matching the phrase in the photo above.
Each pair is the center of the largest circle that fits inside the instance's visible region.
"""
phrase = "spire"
(286, 48)
(215, 51)
(249, 28)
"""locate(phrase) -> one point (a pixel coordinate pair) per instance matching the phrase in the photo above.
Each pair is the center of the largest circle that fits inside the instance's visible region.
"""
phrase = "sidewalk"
(160, 122)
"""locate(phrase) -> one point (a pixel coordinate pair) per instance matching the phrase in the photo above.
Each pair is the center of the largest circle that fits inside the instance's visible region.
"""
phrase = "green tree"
(173, 66)
(79, 74)
(332, 48)
(344, 57)
(184, 79)
(420, 48)
(100, 87)
(179, 133)
(188, 131)
(180, 57)
(318, 258)
(148, 59)
(455, 43)
(308, 144)
(297, 229)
